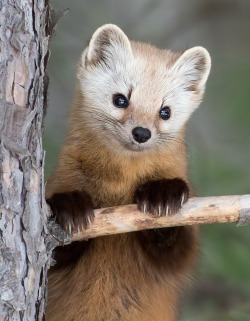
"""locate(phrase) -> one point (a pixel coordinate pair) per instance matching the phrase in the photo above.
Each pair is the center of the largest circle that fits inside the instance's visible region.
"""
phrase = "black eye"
(120, 101)
(165, 113)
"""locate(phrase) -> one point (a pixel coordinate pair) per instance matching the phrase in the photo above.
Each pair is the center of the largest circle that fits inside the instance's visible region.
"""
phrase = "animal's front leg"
(73, 211)
(162, 197)
(172, 246)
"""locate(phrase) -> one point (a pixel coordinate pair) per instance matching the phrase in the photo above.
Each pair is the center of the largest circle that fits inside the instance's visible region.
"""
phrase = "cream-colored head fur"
(150, 78)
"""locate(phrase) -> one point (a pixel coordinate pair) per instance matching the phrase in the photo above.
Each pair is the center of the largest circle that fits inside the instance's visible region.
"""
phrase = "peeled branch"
(198, 210)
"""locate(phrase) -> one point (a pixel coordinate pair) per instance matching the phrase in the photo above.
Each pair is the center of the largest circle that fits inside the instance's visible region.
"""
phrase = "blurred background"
(218, 133)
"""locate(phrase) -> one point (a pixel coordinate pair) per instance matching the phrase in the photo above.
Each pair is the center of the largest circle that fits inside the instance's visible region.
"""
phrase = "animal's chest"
(113, 281)
(116, 193)
(112, 191)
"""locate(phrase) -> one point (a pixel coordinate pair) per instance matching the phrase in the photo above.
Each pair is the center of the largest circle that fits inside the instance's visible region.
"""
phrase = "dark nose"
(141, 135)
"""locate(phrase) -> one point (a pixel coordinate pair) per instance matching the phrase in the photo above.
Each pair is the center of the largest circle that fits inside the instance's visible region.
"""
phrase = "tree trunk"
(24, 245)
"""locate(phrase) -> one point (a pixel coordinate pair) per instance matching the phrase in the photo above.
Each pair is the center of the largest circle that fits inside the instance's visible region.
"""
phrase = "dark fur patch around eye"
(130, 92)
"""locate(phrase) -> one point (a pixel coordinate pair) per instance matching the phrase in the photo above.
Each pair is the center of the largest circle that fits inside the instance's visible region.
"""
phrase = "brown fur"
(131, 277)
(118, 278)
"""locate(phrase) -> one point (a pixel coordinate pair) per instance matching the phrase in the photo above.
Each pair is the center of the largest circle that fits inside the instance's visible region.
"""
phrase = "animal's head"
(136, 95)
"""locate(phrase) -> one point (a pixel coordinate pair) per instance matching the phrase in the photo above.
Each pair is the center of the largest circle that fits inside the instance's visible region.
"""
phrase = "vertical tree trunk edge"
(25, 243)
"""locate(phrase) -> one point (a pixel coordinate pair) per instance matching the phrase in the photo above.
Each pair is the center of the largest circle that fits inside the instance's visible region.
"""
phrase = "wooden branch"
(198, 210)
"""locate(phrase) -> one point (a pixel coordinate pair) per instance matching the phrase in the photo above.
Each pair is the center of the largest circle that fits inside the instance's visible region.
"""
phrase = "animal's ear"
(193, 67)
(109, 45)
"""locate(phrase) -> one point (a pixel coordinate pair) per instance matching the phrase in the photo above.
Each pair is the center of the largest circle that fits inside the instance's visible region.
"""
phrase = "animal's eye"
(165, 113)
(120, 101)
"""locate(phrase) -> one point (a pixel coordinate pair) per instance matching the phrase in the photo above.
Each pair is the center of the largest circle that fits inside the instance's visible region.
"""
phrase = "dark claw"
(73, 211)
(162, 197)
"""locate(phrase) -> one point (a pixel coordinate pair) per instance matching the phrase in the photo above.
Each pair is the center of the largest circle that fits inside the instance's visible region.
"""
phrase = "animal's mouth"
(136, 147)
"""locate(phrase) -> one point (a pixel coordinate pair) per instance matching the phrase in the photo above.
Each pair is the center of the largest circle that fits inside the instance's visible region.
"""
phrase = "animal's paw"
(73, 211)
(162, 197)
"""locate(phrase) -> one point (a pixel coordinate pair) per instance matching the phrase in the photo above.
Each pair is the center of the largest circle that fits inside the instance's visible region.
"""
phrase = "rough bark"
(24, 252)
(198, 210)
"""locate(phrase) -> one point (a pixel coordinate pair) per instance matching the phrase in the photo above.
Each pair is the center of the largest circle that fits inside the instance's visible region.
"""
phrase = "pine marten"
(125, 144)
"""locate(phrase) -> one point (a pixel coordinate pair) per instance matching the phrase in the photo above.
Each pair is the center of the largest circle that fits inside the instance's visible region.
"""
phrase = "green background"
(218, 133)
